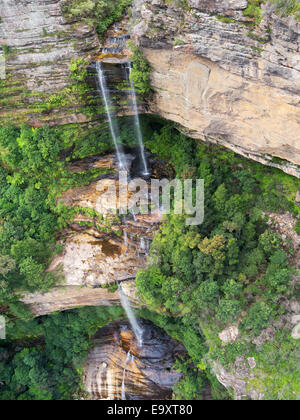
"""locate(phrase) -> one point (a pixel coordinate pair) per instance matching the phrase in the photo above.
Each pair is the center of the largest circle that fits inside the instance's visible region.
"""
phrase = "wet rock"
(117, 368)
(87, 261)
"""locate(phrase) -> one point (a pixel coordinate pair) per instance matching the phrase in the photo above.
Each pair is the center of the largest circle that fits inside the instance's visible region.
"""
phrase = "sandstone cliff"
(222, 76)
(225, 78)
(40, 45)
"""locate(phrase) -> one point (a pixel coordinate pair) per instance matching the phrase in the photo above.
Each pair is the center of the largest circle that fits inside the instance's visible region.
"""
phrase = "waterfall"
(125, 238)
(107, 101)
(123, 393)
(138, 332)
(146, 171)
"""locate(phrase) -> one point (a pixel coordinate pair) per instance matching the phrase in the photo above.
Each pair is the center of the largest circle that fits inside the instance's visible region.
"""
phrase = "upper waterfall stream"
(112, 124)
(145, 169)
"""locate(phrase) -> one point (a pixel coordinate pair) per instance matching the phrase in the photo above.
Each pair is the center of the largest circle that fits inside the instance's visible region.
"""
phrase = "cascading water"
(128, 359)
(138, 332)
(107, 101)
(125, 239)
(138, 130)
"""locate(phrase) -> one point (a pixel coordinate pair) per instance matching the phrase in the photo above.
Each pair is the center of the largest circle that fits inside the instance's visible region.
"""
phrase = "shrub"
(140, 74)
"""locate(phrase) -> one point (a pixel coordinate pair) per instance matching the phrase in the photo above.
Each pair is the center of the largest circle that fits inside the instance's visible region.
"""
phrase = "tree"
(7, 264)
(206, 295)
(258, 317)
(231, 288)
(228, 310)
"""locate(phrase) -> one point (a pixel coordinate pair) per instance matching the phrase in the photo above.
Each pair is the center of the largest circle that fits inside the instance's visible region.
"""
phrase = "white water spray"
(128, 359)
(146, 171)
(138, 332)
(107, 101)
(125, 238)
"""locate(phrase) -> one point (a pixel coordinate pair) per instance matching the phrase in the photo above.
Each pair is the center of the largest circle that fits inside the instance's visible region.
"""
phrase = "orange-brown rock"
(117, 368)
(97, 253)
(223, 80)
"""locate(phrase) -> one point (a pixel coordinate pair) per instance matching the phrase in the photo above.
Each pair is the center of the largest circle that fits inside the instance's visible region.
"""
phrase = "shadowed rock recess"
(116, 368)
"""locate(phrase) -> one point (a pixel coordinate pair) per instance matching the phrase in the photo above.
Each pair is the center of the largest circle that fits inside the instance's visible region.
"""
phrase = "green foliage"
(47, 365)
(98, 13)
(297, 227)
(254, 10)
(209, 270)
(277, 372)
(232, 267)
(258, 317)
(228, 310)
(287, 8)
(140, 74)
(6, 50)
(191, 385)
(225, 19)
(28, 227)
(31, 177)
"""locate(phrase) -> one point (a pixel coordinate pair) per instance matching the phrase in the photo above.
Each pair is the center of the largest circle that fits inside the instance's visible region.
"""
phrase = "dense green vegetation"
(33, 173)
(201, 279)
(140, 74)
(37, 363)
(232, 267)
(98, 13)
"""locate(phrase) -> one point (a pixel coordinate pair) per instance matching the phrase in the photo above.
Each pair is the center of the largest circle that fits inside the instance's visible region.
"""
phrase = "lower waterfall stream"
(123, 392)
(131, 316)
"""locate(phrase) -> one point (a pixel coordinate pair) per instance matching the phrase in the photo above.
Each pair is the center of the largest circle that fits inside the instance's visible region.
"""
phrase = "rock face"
(220, 77)
(222, 81)
(296, 332)
(117, 368)
(97, 253)
(42, 45)
(230, 334)
(69, 297)
(238, 382)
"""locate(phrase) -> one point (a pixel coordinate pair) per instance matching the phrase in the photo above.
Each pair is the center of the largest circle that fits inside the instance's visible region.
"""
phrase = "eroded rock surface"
(117, 368)
(42, 46)
(230, 334)
(97, 252)
(224, 82)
